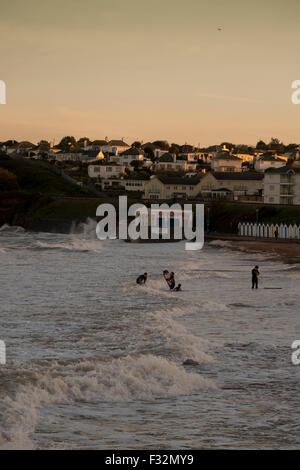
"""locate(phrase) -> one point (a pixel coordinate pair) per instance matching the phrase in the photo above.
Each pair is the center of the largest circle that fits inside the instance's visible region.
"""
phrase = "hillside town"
(266, 173)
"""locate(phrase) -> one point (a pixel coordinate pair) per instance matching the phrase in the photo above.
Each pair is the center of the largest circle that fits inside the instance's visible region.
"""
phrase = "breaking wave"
(11, 228)
(126, 379)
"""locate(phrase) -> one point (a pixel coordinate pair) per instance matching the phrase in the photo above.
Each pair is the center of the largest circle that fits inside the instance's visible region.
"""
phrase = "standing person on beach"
(255, 274)
(276, 233)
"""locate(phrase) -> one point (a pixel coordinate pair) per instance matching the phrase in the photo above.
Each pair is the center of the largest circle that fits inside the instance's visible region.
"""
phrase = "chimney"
(85, 144)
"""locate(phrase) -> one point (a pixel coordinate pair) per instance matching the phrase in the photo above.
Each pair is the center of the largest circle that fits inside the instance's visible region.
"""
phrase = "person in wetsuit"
(255, 274)
(171, 280)
(142, 279)
(177, 288)
(169, 277)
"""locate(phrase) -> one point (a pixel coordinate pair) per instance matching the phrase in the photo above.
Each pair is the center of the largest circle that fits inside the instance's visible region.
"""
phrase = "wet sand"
(287, 251)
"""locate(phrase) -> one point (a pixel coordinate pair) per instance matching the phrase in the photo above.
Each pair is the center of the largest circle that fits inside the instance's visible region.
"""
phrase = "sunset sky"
(146, 70)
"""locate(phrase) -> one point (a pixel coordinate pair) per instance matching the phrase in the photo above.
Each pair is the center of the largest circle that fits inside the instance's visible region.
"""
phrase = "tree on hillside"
(241, 148)
(81, 141)
(275, 144)
(68, 143)
(261, 145)
(174, 148)
(8, 180)
(136, 144)
(43, 145)
(228, 145)
(291, 147)
(161, 144)
(149, 153)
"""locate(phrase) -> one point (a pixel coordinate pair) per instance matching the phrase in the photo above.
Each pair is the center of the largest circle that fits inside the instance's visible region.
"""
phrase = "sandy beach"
(287, 251)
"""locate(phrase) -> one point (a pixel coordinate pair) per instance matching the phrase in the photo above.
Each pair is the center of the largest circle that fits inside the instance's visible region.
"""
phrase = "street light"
(257, 211)
(207, 222)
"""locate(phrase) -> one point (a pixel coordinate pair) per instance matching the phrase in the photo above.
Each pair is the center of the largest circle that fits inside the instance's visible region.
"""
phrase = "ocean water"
(96, 362)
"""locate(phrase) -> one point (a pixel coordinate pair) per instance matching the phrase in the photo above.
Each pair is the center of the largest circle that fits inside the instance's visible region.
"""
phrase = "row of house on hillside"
(231, 185)
(275, 186)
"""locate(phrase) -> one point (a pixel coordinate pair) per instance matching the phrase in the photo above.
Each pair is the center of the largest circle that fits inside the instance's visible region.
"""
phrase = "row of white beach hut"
(265, 230)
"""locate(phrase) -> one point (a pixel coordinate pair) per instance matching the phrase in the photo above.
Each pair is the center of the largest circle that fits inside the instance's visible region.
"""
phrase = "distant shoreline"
(287, 251)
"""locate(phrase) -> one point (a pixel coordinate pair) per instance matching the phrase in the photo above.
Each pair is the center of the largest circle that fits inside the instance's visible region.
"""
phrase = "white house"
(105, 171)
(268, 160)
(282, 185)
(115, 146)
(224, 161)
(67, 156)
(11, 146)
(134, 184)
(170, 162)
(237, 183)
(170, 187)
(130, 155)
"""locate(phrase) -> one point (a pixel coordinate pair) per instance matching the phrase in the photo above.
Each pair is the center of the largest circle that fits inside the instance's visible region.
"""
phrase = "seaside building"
(282, 186)
(106, 170)
(134, 184)
(170, 187)
(231, 184)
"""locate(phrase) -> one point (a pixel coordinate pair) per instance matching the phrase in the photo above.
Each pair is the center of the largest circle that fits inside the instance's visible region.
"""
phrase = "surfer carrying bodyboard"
(170, 279)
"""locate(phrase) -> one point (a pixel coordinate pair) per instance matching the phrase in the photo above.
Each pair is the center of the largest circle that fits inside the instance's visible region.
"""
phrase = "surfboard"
(272, 287)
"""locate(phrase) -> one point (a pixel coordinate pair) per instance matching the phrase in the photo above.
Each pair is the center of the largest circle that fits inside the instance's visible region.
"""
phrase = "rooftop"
(238, 175)
(118, 143)
(283, 170)
(178, 180)
(226, 156)
(133, 151)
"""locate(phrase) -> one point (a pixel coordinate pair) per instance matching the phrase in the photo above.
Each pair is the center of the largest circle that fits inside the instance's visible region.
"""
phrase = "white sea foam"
(13, 228)
(75, 244)
(127, 379)
(221, 243)
(183, 343)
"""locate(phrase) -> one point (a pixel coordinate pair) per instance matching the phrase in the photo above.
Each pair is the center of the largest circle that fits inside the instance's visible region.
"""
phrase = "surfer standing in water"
(255, 274)
(170, 278)
(142, 279)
